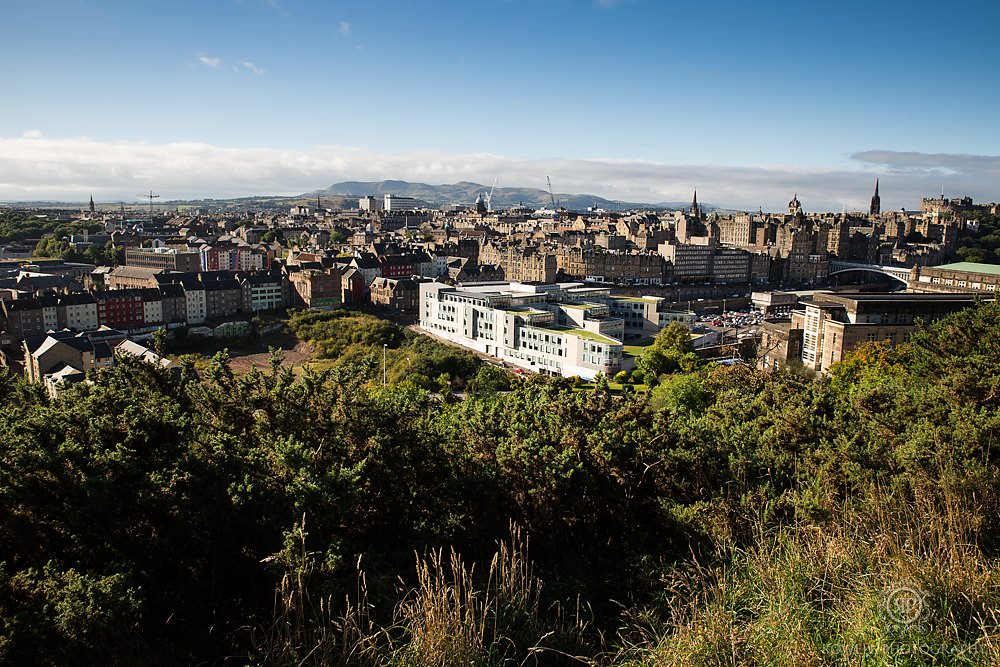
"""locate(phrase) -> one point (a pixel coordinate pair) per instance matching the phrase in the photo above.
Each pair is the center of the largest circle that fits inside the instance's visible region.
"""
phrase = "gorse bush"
(725, 517)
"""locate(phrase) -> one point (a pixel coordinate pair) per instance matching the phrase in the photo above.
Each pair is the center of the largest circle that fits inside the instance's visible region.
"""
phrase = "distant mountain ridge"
(345, 195)
(465, 193)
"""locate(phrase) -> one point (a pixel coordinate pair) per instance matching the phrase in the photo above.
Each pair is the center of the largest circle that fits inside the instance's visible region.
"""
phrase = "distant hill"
(465, 192)
(345, 195)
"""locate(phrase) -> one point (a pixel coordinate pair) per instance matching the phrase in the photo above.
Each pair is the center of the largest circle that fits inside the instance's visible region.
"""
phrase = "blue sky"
(630, 99)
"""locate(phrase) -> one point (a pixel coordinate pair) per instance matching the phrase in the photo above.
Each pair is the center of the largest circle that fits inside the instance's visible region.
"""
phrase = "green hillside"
(726, 517)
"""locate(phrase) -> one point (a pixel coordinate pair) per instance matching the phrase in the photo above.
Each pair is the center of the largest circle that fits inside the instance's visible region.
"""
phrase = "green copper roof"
(971, 267)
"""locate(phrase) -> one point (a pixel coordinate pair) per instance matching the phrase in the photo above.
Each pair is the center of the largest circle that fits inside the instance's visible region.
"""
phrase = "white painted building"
(50, 313)
(397, 203)
(266, 293)
(541, 328)
(197, 307)
(78, 311)
(152, 310)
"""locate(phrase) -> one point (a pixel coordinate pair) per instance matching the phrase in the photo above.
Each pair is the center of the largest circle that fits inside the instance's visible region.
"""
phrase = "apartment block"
(313, 288)
(267, 291)
(520, 263)
(78, 311)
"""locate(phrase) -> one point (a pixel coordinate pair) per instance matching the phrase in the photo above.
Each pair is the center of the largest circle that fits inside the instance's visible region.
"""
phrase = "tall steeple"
(876, 206)
(695, 211)
(92, 208)
(795, 206)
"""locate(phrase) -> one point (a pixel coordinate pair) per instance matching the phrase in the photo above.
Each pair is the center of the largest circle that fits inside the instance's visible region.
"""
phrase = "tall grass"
(811, 595)
(451, 616)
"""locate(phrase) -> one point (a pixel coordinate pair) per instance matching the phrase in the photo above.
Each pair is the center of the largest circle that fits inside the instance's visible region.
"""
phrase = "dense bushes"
(728, 516)
(355, 341)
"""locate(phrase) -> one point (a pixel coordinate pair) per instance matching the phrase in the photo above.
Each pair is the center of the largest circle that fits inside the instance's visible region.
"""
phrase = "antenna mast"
(150, 197)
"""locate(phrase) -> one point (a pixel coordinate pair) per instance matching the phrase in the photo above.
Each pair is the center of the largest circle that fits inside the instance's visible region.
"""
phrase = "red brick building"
(120, 309)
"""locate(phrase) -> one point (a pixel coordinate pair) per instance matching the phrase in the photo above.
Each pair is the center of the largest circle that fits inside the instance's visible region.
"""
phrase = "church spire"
(92, 209)
(695, 210)
(876, 205)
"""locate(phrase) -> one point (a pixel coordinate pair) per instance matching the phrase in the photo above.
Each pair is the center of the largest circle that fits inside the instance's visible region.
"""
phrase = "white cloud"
(210, 61)
(344, 28)
(48, 168)
(932, 163)
(247, 65)
(32, 134)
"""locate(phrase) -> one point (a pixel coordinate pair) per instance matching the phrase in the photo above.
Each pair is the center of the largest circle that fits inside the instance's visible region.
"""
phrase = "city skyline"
(628, 100)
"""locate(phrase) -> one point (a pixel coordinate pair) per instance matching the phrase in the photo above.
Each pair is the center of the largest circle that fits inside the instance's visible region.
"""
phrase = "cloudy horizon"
(37, 168)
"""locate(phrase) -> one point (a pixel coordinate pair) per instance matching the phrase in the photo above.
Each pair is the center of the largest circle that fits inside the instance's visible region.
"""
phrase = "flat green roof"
(636, 350)
(635, 299)
(971, 267)
(580, 333)
(583, 304)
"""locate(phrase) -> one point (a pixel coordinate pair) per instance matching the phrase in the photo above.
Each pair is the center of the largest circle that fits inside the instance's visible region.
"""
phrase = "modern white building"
(393, 202)
(557, 329)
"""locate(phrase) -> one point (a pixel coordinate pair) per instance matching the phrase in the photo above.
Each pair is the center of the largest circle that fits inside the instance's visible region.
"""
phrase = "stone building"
(402, 294)
(313, 288)
(834, 324)
(960, 277)
(520, 263)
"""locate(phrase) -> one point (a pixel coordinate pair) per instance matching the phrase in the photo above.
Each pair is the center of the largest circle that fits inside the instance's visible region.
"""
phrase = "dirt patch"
(296, 353)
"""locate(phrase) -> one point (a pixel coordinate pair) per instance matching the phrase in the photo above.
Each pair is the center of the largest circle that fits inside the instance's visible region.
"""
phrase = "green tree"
(671, 351)
(489, 380)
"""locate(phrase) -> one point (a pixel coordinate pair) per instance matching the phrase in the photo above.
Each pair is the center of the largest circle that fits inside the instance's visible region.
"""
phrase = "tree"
(671, 351)
(113, 255)
(160, 341)
(489, 380)
(674, 337)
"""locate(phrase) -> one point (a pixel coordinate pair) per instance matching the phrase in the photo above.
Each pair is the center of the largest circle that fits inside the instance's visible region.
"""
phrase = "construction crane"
(551, 196)
(150, 197)
(489, 197)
